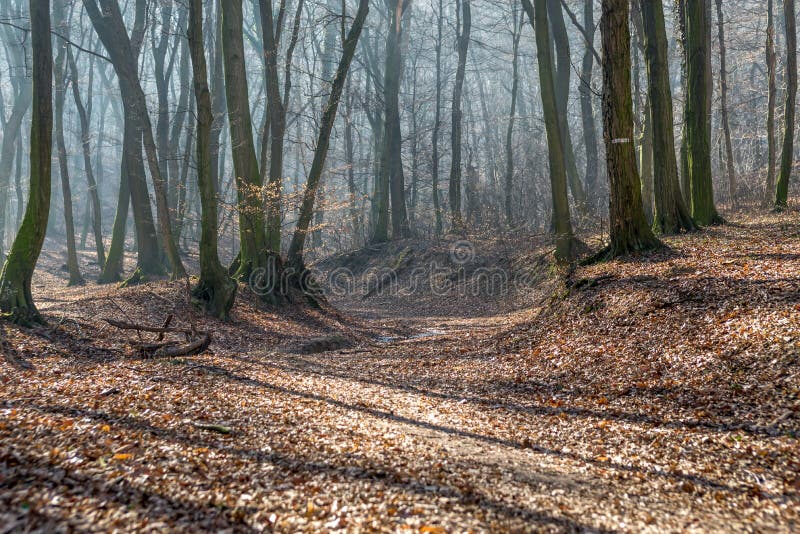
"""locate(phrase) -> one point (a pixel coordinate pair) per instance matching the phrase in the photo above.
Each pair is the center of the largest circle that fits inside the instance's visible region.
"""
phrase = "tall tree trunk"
(587, 109)
(392, 160)
(215, 291)
(94, 194)
(16, 299)
(162, 76)
(628, 226)
(437, 210)
(12, 137)
(62, 26)
(565, 242)
(464, 28)
(123, 50)
(723, 94)
(671, 214)
(698, 111)
(509, 182)
(787, 156)
(771, 97)
(349, 142)
(257, 264)
(218, 101)
(295, 256)
(563, 75)
(277, 125)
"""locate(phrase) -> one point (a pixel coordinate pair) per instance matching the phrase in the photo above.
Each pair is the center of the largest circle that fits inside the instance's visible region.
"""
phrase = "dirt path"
(654, 396)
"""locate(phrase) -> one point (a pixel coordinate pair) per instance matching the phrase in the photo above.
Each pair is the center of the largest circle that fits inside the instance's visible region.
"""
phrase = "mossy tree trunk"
(15, 281)
(215, 291)
(787, 155)
(12, 128)
(565, 241)
(629, 229)
(124, 50)
(671, 214)
(698, 111)
(257, 264)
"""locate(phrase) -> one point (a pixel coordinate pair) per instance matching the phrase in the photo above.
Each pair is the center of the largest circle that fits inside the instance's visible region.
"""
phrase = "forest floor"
(660, 393)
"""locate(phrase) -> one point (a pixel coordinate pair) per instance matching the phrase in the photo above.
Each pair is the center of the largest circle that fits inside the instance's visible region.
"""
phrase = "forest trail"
(653, 395)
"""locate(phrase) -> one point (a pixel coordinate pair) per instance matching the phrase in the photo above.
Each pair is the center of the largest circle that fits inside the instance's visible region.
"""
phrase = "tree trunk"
(12, 137)
(295, 256)
(723, 94)
(509, 182)
(62, 26)
(215, 291)
(698, 112)
(671, 214)
(565, 242)
(257, 265)
(392, 161)
(277, 127)
(463, 28)
(15, 281)
(787, 155)
(587, 109)
(123, 50)
(563, 75)
(628, 226)
(771, 97)
(437, 210)
(94, 194)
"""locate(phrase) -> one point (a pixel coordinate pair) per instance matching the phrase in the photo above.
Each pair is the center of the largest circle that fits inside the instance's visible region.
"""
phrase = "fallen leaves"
(635, 416)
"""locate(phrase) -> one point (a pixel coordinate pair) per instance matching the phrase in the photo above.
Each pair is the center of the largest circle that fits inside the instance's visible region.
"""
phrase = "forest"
(399, 266)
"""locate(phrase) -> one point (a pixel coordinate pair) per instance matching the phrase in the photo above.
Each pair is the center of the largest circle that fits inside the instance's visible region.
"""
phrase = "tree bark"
(437, 210)
(215, 291)
(723, 95)
(464, 28)
(62, 26)
(698, 112)
(587, 109)
(252, 224)
(771, 97)
(565, 242)
(295, 256)
(509, 182)
(94, 194)
(671, 214)
(563, 75)
(16, 300)
(628, 226)
(787, 155)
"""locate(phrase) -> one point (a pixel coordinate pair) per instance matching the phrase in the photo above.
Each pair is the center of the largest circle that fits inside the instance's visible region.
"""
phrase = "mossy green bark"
(629, 229)
(565, 241)
(215, 292)
(698, 111)
(16, 301)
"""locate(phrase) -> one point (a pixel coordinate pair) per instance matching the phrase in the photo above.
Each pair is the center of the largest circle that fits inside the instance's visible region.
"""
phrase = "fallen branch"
(197, 342)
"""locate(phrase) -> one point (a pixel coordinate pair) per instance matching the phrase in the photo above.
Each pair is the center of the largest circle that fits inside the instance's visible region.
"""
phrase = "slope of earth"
(661, 394)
